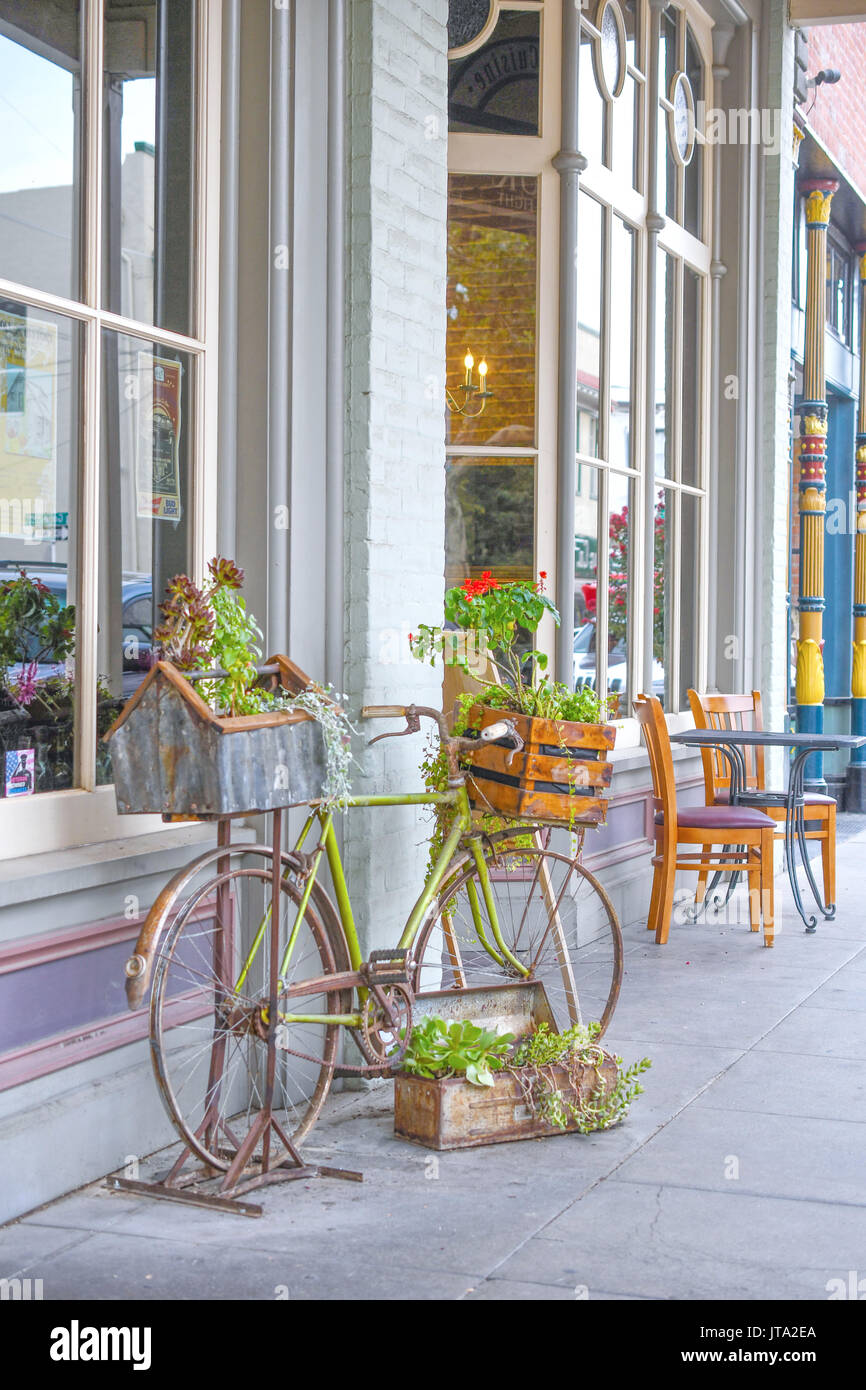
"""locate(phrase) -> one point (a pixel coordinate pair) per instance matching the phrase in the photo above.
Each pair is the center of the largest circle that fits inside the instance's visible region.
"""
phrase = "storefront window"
(79, 587)
(490, 514)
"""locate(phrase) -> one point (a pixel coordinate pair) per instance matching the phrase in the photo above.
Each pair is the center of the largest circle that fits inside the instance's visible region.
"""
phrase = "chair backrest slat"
(728, 712)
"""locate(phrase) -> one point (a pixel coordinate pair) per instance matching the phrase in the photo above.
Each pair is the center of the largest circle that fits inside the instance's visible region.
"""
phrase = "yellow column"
(812, 460)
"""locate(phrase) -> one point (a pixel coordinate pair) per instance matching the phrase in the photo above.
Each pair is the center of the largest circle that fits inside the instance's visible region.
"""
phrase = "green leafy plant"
(495, 612)
(438, 1049)
(535, 1063)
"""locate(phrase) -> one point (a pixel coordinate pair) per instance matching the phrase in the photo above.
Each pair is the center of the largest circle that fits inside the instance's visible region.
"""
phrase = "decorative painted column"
(813, 487)
(855, 798)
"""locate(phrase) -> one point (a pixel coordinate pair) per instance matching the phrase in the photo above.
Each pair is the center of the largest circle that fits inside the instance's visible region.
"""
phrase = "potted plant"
(239, 741)
(461, 1085)
(560, 772)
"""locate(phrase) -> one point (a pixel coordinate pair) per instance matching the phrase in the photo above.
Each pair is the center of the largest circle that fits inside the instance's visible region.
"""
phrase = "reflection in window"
(492, 241)
(838, 288)
(489, 519)
(39, 385)
(689, 608)
(619, 588)
(621, 330)
(145, 489)
(40, 98)
(148, 157)
(690, 470)
(662, 559)
(590, 223)
(585, 574)
(667, 166)
(664, 363)
(495, 90)
(693, 172)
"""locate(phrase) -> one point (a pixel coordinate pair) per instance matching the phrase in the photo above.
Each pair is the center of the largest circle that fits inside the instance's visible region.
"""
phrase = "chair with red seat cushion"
(724, 836)
(744, 712)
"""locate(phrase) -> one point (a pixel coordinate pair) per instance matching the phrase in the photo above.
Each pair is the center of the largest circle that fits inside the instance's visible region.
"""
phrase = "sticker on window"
(20, 770)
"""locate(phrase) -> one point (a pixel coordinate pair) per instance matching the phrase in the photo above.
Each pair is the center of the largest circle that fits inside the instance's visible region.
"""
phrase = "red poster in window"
(158, 471)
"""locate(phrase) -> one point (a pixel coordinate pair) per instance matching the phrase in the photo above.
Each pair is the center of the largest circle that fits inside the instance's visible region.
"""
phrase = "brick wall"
(395, 486)
(838, 117)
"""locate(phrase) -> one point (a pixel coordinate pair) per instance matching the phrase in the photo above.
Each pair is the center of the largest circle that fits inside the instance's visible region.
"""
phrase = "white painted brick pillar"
(395, 454)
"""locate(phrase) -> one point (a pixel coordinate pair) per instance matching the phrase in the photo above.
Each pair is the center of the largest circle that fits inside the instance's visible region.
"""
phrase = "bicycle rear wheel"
(555, 920)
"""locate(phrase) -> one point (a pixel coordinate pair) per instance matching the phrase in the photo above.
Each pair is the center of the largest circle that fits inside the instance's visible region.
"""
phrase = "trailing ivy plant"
(534, 1063)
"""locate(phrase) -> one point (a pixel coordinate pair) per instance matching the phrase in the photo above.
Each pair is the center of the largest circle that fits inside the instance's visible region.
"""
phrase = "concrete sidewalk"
(741, 1173)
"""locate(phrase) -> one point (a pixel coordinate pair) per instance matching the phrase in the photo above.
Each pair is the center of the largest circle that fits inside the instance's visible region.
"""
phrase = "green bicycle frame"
(327, 845)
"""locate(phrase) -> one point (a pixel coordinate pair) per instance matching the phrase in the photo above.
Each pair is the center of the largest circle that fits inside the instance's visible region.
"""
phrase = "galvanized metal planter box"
(172, 755)
(560, 774)
(451, 1114)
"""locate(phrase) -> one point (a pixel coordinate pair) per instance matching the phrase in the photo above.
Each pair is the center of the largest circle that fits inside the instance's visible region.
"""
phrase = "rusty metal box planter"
(172, 755)
(560, 774)
(451, 1114)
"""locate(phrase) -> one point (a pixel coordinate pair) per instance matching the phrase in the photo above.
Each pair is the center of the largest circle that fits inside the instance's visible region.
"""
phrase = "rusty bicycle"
(258, 979)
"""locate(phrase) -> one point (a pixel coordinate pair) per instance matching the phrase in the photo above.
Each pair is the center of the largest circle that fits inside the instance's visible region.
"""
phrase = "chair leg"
(658, 880)
(665, 904)
(828, 856)
(768, 888)
(755, 883)
(701, 890)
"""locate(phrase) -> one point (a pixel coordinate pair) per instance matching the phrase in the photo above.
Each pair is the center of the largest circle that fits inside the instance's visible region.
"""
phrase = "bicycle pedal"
(387, 966)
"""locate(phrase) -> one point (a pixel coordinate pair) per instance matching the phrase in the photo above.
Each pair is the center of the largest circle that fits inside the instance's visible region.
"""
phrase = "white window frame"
(533, 156)
(86, 814)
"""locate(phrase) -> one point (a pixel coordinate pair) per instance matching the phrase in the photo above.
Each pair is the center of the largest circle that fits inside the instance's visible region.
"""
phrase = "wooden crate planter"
(451, 1114)
(171, 754)
(560, 774)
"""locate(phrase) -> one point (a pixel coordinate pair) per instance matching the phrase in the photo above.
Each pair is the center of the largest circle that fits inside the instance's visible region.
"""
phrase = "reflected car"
(617, 664)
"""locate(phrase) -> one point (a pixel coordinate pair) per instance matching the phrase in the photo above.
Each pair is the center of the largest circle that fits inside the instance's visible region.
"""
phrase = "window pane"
(145, 492)
(590, 104)
(621, 330)
(661, 563)
(39, 392)
(149, 154)
(620, 493)
(690, 569)
(489, 519)
(40, 101)
(664, 363)
(693, 172)
(491, 304)
(589, 313)
(667, 167)
(496, 88)
(692, 364)
(585, 575)
(625, 145)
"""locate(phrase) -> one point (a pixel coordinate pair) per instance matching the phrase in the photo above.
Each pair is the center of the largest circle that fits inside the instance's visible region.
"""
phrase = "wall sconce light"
(472, 393)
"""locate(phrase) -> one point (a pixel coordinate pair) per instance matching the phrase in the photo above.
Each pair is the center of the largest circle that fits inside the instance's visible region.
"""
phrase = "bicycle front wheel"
(555, 921)
(209, 1012)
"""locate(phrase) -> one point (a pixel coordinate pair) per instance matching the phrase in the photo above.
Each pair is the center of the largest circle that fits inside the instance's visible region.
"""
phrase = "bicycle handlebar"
(503, 728)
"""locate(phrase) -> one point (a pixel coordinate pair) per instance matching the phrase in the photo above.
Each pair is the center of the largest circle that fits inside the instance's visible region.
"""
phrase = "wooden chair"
(723, 836)
(744, 712)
